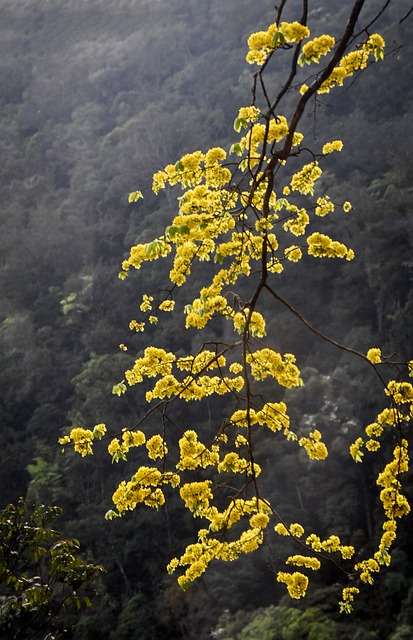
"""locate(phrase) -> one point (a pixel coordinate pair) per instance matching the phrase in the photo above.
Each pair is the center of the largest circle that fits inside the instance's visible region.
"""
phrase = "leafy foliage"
(41, 575)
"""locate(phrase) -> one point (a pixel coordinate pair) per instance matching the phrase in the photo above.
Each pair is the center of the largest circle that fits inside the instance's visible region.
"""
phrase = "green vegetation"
(94, 98)
(40, 575)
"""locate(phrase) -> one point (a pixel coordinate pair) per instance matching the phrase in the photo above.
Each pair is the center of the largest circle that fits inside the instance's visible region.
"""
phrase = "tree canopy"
(244, 218)
(96, 98)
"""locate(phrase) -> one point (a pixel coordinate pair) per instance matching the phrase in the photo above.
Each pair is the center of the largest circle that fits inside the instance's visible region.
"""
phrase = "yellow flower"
(293, 253)
(296, 530)
(82, 440)
(114, 446)
(304, 561)
(146, 304)
(156, 447)
(281, 529)
(259, 520)
(167, 305)
(348, 596)
(329, 147)
(313, 50)
(303, 181)
(324, 206)
(355, 450)
(374, 355)
(250, 114)
(322, 246)
(296, 582)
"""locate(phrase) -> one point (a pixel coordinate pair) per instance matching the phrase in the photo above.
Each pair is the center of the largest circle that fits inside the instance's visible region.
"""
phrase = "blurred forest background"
(96, 95)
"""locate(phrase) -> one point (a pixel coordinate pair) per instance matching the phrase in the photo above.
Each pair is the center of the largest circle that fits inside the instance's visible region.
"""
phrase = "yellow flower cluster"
(191, 169)
(154, 362)
(130, 439)
(146, 304)
(353, 62)
(295, 530)
(388, 537)
(374, 355)
(262, 43)
(249, 114)
(293, 253)
(355, 450)
(194, 454)
(259, 520)
(198, 556)
(334, 145)
(303, 181)
(273, 415)
(167, 305)
(324, 206)
(256, 323)
(395, 504)
(205, 307)
(298, 222)
(196, 496)
(232, 463)
(134, 325)
(322, 246)
(156, 447)
(205, 360)
(157, 362)
(82, 439)
(348, 594)
(366, 568)
(275, 131)
(400, 392)
(316, 450)
(332, 544)
(267, 362)
(314, 49)
(294, 31)
(144, 487)
(296, 583)
(309, 562)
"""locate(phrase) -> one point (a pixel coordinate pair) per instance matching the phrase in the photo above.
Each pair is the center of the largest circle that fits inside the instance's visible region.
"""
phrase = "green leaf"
(278, 39)
(170, 232)
(243, 164)
(236, 148)
(239, 123)
(119, 389)
(135, 196)
(98, 432)
(378, 53)
(110, 515)
(302, 60)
